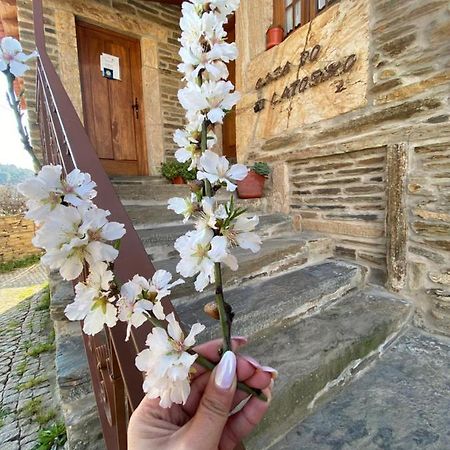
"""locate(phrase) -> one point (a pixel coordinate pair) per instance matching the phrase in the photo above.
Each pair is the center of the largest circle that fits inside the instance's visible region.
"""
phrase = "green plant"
(37, 349)
(4, 412)
(261, 168)
(19, 263)
(51, 438)
(188, 175)
(36, 381)
(32, 407)
(44, 417)
(172, 169)
(21, 368)
(44, 302)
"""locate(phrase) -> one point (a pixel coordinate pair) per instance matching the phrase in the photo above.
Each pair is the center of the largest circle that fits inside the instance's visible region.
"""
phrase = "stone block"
(61, 293)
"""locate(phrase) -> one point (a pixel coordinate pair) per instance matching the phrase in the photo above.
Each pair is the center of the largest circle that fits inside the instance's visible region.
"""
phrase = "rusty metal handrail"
(116, 381)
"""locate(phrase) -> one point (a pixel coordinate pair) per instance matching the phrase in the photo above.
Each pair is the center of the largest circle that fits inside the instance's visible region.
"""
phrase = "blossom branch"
(209, 365)
(12, 61)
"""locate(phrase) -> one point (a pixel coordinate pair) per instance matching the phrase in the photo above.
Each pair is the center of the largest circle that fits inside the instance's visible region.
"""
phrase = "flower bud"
(195, 185)
(211, 310)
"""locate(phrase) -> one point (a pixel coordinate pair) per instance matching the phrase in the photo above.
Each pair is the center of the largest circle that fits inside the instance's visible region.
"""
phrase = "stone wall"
(428, 209)
(389, 127)
(155, 24)
(344, 196)
(15, 238)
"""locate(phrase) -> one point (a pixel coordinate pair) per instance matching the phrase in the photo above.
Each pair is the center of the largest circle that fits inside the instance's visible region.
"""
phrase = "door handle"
(135, 107)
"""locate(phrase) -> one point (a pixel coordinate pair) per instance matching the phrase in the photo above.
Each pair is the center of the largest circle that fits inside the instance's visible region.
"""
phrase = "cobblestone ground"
(27, 361)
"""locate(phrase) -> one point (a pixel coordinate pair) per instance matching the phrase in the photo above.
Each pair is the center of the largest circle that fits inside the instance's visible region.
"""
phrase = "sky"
(11, 149)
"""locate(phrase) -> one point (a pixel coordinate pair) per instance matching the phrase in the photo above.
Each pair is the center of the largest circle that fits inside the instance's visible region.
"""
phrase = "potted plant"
(274, 36)
(252, 186)
(176, 172)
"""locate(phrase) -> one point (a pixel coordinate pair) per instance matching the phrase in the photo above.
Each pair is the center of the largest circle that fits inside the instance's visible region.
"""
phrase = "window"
(291, 14)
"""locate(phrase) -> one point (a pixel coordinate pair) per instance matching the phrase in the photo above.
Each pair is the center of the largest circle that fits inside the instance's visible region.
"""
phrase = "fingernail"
(252, 361)
(271, 370)
(226, 371)
(240, 339)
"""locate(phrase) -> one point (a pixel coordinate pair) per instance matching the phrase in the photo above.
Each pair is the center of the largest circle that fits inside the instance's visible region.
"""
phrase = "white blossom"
(47, 190)
(133, 308)
(184, 206)
(223, 8)
(167, 363)
(93, 303)
(212, 99)
(12, 57)
(188, 141)
(72, 236)
(203, 47)
(241, 233)
(199, 250)
(216, 169)
(139, 297)
(210, 214)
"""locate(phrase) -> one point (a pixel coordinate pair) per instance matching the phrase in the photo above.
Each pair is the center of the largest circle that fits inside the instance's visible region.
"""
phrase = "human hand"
(204, 422)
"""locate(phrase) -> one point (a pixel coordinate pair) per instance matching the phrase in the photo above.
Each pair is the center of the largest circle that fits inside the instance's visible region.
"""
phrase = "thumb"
(212, 414)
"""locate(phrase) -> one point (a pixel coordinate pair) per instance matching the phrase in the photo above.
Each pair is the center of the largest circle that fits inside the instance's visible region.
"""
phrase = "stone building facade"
(352, 111)
(154, 24)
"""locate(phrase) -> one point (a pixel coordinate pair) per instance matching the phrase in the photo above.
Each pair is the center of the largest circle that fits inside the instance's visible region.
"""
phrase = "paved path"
(35, 274)
(27, 369)
(402, 403)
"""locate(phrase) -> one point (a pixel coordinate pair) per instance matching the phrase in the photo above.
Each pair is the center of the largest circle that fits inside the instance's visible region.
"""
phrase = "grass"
(21, 368)
(19, 263)
(52, 437)
(36, 381)
(44, 303)
(37, 349)
(44, 418)
(4, 412)
(32, 407)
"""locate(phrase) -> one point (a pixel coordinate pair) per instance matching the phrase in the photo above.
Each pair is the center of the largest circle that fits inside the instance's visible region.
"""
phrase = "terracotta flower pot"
(178, 180)
(252, 186)
(274, 36)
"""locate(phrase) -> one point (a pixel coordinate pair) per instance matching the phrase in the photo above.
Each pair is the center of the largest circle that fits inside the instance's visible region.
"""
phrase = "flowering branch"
(12, 61)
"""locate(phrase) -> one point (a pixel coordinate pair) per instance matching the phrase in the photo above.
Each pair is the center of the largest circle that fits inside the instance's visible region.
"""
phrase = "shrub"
(172, 169)
(261, 168)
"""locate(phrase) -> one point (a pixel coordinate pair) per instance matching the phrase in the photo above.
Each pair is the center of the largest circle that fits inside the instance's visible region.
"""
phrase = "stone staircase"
(312, 316)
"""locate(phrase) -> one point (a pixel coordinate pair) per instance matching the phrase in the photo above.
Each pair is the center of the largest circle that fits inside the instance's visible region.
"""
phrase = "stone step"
(151, 216)
(263, 303)
(148, 191)
(258, 205)
(277, 254)
(319, 352)
(148, 216)
(401, 402)
(159, 240)
(150, 180)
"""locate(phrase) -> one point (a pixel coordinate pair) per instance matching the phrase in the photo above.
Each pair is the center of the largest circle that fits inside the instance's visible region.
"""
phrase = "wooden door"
(229, 123)
(113, 109)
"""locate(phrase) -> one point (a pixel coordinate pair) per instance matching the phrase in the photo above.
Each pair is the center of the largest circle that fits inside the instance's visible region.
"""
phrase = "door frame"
(137, 85)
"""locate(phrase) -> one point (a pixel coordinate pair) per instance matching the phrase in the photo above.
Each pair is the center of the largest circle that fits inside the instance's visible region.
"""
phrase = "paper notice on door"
(110, 66)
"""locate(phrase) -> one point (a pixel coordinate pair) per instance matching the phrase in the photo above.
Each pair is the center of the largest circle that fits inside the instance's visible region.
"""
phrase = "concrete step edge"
(344, 360)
